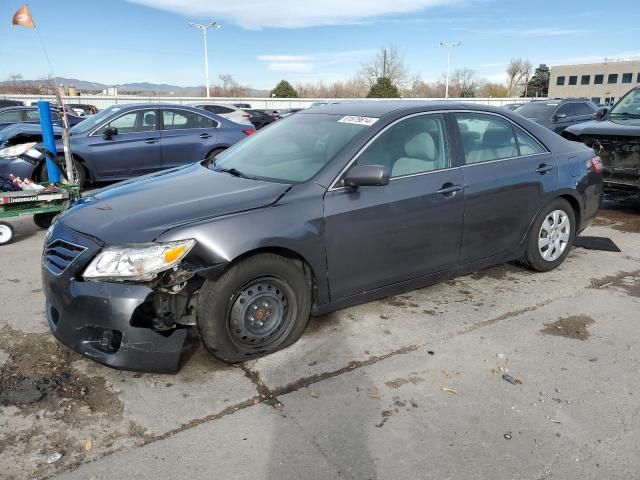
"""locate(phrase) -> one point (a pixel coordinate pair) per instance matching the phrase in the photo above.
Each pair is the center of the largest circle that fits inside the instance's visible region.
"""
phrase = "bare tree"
(229, 87)
(517, 70)
(386, 63)
(463, 83)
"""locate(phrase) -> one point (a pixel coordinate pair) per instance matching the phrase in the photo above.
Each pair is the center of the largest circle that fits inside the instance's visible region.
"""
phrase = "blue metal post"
(48, 140)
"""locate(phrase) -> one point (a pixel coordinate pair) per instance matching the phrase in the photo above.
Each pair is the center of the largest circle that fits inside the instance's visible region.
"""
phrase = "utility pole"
(384, 63)
(449, 47)
(204, 29)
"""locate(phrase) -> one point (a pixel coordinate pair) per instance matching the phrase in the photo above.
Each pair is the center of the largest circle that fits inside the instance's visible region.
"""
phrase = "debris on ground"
(553, 419)
(450, 391)
(507, 435)
(313, 394)
(54, 457)
(511, 379)
(88, 445)
(431, 352)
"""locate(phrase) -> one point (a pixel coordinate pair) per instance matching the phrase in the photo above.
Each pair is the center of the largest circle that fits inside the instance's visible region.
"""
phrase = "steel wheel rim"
(5, 233)
(554, 235)
(261, 313)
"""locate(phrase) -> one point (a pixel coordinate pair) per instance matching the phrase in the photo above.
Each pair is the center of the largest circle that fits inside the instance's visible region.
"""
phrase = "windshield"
(628, 107)
(293, 149)
(94, 120)
(537, 109)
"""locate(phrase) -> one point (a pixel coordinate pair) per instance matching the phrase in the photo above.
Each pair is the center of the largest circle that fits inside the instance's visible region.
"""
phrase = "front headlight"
(17, 150)
(141, 262)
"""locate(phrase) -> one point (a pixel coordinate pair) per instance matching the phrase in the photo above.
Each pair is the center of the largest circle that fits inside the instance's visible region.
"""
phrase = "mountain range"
(136, 87)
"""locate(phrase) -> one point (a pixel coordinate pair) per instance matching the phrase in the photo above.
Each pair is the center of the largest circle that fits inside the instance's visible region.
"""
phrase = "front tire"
(551, 236)
(257, 307)
(81, 173)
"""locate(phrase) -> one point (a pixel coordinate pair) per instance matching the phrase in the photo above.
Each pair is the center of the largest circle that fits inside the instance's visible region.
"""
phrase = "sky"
(263, 41)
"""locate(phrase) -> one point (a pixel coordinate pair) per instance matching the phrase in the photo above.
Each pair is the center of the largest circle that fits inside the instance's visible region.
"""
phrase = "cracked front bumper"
(98, 319)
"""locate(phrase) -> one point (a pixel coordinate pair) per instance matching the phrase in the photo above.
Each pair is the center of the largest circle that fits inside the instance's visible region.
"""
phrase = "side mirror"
(601, 113)
(109, 132)
(558, 116)
(366, 176)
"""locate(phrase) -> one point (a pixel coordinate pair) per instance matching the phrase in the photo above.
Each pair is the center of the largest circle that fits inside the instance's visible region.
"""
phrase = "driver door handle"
(544, 168)
(151, 140)
(205, 135)
(449, 189)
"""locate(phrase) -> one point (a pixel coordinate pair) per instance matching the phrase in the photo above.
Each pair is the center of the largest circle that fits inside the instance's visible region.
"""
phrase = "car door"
(377, 236)
(134, 150)
(187, 137)
(508, 176)
(564, 116)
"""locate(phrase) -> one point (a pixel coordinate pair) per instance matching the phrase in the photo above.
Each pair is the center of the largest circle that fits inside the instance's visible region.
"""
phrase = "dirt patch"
(570, 327)
(398, 382)
(404, 301)
(624, 220)
(507, 271)
(629, 282)
(48, 406)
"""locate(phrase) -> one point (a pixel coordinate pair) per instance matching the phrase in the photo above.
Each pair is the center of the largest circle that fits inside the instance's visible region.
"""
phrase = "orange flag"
(23, 17)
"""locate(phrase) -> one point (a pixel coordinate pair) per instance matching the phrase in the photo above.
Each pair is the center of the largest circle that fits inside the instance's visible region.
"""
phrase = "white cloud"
(257, 14)
(523, 32)
(310, 61)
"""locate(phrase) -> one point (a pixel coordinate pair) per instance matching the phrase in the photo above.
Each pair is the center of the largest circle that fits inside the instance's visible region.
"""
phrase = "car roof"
(21, 107)
(561, 100)
(378, 108)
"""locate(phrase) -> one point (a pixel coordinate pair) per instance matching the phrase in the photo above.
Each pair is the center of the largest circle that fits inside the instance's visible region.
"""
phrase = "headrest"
(421, 146)
(150, 118)
(497, 137)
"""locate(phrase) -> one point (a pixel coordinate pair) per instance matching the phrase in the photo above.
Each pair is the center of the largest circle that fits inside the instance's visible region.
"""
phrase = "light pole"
(449, 47)
(204, 29)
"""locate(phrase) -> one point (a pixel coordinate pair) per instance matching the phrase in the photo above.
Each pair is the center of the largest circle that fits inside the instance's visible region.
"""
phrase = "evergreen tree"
(284, 90)
(383, 88)
(539, 83)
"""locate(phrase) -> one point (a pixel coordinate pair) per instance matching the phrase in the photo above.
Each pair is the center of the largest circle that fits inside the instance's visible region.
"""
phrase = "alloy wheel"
(554, 235)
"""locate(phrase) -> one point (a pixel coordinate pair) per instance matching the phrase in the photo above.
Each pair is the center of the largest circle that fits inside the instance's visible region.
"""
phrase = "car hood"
(27, 129)
(140, 210)
(605, 127)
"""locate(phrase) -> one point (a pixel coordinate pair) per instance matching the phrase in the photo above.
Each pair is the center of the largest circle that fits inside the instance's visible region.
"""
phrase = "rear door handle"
(205, 135)
(449, 189)
(151, 140)
(544, 168)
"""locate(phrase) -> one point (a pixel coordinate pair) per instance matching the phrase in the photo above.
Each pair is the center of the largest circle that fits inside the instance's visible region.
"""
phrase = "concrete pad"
(256, 443)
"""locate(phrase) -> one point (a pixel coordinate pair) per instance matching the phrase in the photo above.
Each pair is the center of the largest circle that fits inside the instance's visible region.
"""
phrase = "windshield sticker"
(356, 120)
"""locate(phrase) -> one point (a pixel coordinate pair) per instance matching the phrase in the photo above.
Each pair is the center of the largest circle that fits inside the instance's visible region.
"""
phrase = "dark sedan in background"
(557, 114)
(333, 206)
(260, 118)
(121, 142)
(11, 115)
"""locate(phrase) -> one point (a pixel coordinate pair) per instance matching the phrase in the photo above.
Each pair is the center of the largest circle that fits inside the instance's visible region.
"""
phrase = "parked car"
(4, 102)
(558, 114)
(124, 141)
(16, 141)
(18, 133)
(86, 109)
(615, 136)
(260, 118)
(328, 208)
(11, 115)
(227, 111)
(512, 106)
(242, 106)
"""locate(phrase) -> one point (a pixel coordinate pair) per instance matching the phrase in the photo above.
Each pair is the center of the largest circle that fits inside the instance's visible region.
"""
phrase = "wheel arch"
(285, 252)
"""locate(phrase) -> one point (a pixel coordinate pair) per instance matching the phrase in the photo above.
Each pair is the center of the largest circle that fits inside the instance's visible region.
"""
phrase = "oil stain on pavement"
(574, 326)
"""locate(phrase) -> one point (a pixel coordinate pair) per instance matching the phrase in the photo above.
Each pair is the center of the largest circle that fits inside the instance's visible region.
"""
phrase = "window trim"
(333, 187)
(627, 75)
(609, 76)
(595, 79)
(575, 80)
(156, 109)
(563, 77)
(585, 77)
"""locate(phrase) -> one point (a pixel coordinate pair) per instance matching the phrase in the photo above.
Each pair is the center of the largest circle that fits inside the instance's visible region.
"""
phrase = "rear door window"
(568, 110)
(486, 137)
(527, 144)
(179, 119)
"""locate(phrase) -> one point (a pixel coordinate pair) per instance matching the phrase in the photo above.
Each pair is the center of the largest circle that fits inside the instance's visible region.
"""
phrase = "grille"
(58, 255)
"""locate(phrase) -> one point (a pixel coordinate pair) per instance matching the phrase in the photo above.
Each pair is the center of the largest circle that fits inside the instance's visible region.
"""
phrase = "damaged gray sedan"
(334, 206)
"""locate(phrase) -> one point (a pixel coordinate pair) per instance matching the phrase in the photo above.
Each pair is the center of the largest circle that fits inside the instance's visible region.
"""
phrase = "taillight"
(246, 115)
(249, 131)
(596, 164)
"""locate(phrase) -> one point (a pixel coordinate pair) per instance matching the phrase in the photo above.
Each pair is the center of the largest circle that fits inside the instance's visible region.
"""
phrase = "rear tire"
(44, 220)
(6, 233)
(211, 156)
(551, 236)
(257, 307)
